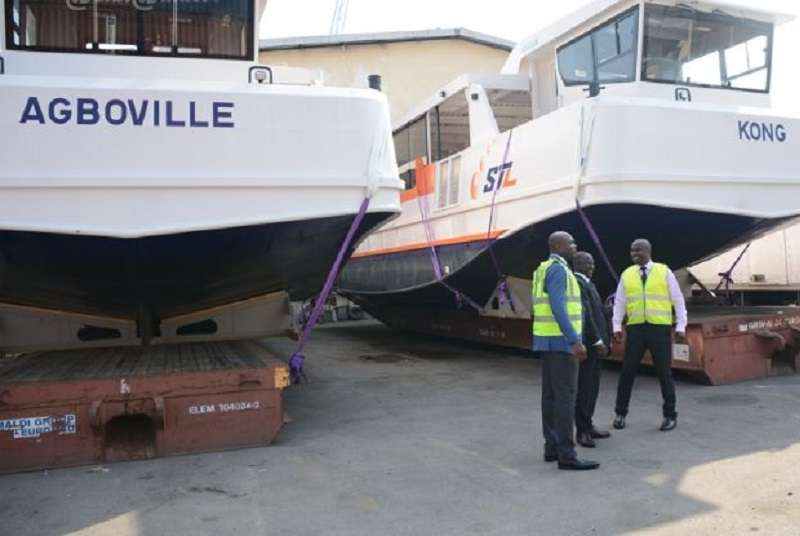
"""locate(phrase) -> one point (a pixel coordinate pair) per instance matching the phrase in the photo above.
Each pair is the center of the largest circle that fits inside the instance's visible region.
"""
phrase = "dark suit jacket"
(595, 319)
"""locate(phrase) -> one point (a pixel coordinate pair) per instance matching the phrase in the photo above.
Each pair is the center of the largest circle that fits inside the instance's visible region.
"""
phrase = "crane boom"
(339, 17)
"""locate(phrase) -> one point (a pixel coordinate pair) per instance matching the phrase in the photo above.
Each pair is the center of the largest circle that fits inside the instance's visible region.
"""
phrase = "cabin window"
(208, 29)
(606, 55)
(448, 182)
(443, 172)
(450, 127)
(575, 62)
(410, 143)
(409, 178)
(453, 189)
(511, 108)
(688, 47)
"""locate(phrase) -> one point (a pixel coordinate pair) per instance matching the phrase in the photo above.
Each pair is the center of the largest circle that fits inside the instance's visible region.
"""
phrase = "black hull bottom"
(169, 275)
(403, 283)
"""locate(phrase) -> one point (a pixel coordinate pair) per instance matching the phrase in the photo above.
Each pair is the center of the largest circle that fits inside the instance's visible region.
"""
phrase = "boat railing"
(259, 74)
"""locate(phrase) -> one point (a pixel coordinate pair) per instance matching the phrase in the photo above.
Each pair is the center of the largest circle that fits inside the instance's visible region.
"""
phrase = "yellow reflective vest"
(648, 302)
(544, 323)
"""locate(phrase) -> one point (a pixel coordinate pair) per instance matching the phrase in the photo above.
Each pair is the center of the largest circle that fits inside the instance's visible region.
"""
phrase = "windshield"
(684, 46)
(196, 28)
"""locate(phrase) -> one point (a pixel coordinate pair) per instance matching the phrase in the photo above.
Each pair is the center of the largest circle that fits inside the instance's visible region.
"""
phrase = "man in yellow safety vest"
(557, 329)
(647, 294)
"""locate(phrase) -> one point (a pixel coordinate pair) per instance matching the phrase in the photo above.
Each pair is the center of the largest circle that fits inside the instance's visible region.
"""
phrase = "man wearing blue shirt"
(557, 329)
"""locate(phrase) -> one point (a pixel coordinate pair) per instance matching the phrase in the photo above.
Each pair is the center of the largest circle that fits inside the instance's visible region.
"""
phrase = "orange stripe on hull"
(422, 245)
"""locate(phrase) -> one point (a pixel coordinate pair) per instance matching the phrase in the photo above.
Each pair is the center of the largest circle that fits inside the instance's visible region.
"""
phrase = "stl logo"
(499, 177)
(473, 183)
(484, 182)
(494, 179)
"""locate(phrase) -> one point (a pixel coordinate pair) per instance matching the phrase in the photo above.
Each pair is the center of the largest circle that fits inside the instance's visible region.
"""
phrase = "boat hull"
(169, 275)
(129, 199)
(406, 281)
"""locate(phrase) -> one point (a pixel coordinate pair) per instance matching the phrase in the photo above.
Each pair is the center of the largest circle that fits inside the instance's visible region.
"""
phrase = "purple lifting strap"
(727, 276)
(503, 292)
(297, 359)
(424, 211)
(596, 239)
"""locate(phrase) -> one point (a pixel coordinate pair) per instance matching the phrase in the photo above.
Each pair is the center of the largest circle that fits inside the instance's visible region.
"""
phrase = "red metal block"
(726, 345)
(68, 408)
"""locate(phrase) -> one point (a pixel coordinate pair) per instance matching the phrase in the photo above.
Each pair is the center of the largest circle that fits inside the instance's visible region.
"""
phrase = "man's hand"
(680, 337)
(618, 337)
(601, 350)
(579, 350)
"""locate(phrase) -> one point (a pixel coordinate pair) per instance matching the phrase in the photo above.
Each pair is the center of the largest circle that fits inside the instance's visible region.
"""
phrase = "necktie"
(644, 273)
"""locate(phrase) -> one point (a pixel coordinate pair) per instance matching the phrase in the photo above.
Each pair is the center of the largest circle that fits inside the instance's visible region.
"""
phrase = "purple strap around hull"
(424, 211)
(503, 291)
(596, 239)
(297, 359)
(727, 276)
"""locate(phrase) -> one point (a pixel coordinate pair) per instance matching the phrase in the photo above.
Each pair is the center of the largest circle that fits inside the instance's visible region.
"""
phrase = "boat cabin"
(129, 38)
(688, 51)
(470, 109)
(710, 51)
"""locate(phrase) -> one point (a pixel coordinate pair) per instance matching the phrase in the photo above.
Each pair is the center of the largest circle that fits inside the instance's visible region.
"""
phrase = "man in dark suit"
(597, 339)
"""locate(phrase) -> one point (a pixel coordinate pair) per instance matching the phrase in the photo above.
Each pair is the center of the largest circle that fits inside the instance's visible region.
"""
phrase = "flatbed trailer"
(726, 344)
(732, 344)
(91, 406)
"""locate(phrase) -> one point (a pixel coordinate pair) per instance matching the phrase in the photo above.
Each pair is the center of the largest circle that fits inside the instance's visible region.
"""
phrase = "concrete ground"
(399, 434)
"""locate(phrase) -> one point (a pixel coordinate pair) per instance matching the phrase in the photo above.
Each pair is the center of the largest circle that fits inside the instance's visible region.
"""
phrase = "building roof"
(319, 41)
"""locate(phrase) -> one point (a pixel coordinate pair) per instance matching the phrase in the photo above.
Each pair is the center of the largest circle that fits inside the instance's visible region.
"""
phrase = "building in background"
(412, 65)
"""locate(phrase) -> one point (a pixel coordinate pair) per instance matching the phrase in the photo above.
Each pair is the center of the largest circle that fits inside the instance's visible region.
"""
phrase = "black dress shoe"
(585, 440)
(577, 465)
(668, 424)
(619, 422)
(599, 434)
(550, 457)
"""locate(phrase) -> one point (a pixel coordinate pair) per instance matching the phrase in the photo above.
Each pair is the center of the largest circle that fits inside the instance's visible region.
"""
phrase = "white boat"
(654, 116)
(152, 173)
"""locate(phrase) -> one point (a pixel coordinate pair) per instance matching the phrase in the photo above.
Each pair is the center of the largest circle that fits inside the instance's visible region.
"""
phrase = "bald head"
(562, 243)
(641, 251)
(584, 263)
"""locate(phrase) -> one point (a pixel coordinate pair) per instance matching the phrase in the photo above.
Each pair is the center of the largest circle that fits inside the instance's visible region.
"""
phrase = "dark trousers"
(657, 339)
(559, 389)
(588, 389)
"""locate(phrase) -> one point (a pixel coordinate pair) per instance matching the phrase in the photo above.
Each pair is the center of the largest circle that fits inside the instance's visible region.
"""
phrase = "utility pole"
(339, 17)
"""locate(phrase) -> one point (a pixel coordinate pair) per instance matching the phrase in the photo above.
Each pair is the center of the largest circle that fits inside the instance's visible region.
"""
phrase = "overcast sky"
(510, 19)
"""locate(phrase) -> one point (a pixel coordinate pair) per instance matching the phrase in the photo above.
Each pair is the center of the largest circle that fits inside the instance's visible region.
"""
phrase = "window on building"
(214, 29)
(606, 55)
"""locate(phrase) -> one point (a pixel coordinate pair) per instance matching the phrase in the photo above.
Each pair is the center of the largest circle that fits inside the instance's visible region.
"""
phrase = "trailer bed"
(78, 407)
